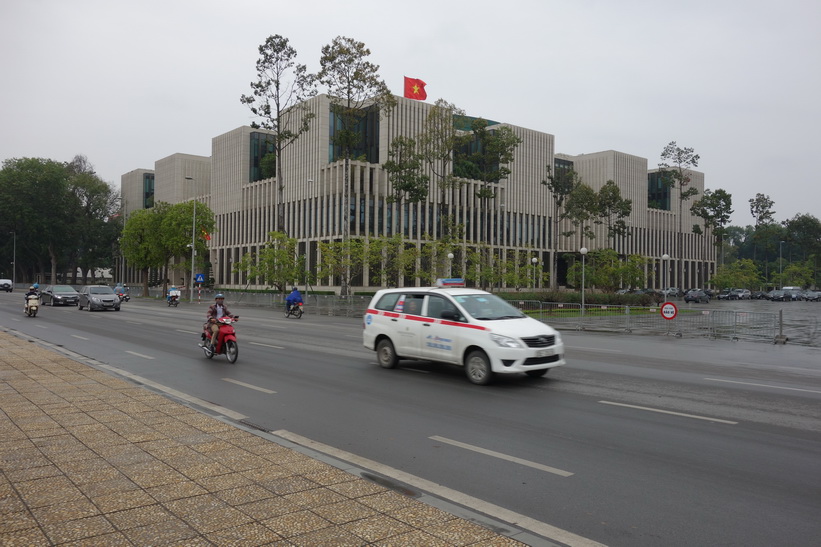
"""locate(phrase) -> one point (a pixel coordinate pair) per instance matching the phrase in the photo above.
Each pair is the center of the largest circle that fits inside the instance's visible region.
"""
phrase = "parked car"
(698, 296)
(812, 296)
(672, 291)
(725, 294)
(795, 293)
(758, 295)
(98, 297)
(6, 285)
(60, 295)
(778, 295)
(740, 294)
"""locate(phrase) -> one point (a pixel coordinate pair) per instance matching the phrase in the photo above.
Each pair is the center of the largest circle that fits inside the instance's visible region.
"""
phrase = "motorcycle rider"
(32, 292)
(172, 292)
(293, 299)
(215, 311)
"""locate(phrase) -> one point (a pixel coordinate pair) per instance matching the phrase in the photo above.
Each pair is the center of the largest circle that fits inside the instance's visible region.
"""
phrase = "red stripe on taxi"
(426, 319)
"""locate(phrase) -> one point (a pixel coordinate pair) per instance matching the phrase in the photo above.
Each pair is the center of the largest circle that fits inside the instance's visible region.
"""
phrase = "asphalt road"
(638, 441)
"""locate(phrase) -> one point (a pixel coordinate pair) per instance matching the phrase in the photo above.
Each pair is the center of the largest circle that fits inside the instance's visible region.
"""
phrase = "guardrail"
(736, 325)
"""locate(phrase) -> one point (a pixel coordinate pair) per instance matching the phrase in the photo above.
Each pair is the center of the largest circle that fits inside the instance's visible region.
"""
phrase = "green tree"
(354, 87)
(439, 138)
(761, 210)
(277, 264)
(714, 208)
(342, 260)
(803, 234)
(675, 166)
(486, 158)
(581, 209)
(795, 274)
(278, 98)
(612, 209)
(742, 273)
(560, 183)
(404, 170)
(141, 242)
(176, 233)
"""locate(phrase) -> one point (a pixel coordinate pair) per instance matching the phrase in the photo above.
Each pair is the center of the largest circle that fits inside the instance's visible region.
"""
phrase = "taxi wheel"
(477, 368)
(386, 354)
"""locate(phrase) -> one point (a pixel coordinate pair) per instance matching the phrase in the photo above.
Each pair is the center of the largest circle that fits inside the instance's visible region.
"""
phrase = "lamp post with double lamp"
(583, 252)
(450, 265)
(664, 258)
(534, 261)
(14, 260)
(193, 238)
(780, 279)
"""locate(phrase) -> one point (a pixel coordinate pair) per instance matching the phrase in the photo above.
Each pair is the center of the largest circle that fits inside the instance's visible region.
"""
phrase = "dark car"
(6, 285)
(778, 296)
(98, 297)
(812, 296)
(60, 295)
(725, 294)
(698, 296)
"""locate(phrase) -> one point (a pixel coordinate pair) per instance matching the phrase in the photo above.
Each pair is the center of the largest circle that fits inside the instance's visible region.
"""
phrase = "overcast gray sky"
(128, 83)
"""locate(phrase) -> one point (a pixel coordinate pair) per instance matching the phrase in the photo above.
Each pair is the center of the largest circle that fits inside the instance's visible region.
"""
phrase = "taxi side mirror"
(452, 315)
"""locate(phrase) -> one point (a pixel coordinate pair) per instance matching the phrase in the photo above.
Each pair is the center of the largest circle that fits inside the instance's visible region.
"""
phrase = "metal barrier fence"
(713, 324)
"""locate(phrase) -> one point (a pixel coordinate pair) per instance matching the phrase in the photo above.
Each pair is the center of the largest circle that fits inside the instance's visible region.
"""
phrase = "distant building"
(231, 182)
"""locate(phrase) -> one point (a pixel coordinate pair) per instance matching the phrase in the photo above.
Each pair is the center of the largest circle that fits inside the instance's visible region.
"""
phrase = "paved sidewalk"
(87, 458)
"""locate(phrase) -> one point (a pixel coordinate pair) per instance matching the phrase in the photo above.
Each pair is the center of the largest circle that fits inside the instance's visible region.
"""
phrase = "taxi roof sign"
(450, 282)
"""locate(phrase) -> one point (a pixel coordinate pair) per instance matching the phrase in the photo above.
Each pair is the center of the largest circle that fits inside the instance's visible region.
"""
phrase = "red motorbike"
(226, 339)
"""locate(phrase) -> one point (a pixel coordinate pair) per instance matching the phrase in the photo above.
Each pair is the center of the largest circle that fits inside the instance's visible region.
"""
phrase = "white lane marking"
(501, 456)
(600, 350)
(140, 355)
(134, 322)
(249, 386)
(80, 337)
(707, 418)
(41, 326)
(187, 331)
(530, 524)
(179, 394)
(265, 345)
(417, 370)
(763, 385)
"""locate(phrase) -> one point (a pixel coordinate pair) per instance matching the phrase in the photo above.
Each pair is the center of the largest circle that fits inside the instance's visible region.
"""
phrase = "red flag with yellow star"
(415, 89)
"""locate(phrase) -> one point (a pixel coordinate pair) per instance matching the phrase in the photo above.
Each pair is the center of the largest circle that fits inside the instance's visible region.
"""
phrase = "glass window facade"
(148, 190)
(262, 144)
(658, 192)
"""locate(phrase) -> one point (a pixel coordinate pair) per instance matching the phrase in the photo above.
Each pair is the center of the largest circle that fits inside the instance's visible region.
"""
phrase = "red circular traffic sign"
(669, 310)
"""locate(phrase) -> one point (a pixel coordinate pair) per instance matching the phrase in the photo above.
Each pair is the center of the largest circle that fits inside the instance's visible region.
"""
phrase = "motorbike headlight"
(505, 341)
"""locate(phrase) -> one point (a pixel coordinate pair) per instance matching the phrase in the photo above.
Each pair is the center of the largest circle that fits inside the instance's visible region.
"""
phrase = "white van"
(461, 326)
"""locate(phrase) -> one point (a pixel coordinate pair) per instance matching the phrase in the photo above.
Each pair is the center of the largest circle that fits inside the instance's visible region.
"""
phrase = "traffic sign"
(669, 310)
(199, 278)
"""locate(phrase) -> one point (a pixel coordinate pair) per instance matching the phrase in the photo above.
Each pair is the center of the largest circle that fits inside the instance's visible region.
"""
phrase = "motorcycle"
(124, 297)
(173, 300)
(295, 310)
(226, 339)
(32, 305)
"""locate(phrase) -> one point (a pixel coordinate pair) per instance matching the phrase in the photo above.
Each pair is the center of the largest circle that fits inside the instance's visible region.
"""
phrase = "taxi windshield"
(487, 307)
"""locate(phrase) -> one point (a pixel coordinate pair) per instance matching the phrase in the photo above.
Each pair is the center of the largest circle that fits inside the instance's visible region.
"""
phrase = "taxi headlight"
(505, 341)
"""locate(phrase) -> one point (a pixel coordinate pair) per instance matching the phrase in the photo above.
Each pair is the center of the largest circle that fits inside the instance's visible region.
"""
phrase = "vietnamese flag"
(206, 235)
(415, 89)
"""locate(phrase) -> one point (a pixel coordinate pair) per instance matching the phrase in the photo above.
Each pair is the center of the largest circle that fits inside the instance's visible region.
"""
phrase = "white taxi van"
(461, 326)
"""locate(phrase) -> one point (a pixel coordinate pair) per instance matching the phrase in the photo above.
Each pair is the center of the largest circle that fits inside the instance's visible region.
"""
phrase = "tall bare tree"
(353, 86)
(675, 166)
(560, 182)
(278, 98)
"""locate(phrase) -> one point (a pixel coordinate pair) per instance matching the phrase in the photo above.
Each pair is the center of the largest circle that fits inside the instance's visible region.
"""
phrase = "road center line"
(187, 331)
(501, 456)
(249, 386)
(706, 418)
(265, 345)
(763, 385)
(140, 355)
(496, 511)
(80, 337)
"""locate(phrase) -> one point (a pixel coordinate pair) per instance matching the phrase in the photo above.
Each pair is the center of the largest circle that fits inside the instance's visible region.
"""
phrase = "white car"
(460, 326)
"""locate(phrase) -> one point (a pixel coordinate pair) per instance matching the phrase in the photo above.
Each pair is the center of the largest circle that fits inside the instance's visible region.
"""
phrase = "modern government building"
(245, 204)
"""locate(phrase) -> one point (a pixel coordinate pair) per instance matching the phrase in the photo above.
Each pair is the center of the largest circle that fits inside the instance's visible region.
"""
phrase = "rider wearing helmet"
(215, 311)
(32, 292)
(293, 299)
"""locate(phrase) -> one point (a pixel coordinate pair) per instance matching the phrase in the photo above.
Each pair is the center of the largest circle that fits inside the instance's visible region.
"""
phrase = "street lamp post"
(780, 279)
(664, 258)
(450, 265)
(583, 251)
(14, 260)
(193, 240)
(534, 261)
